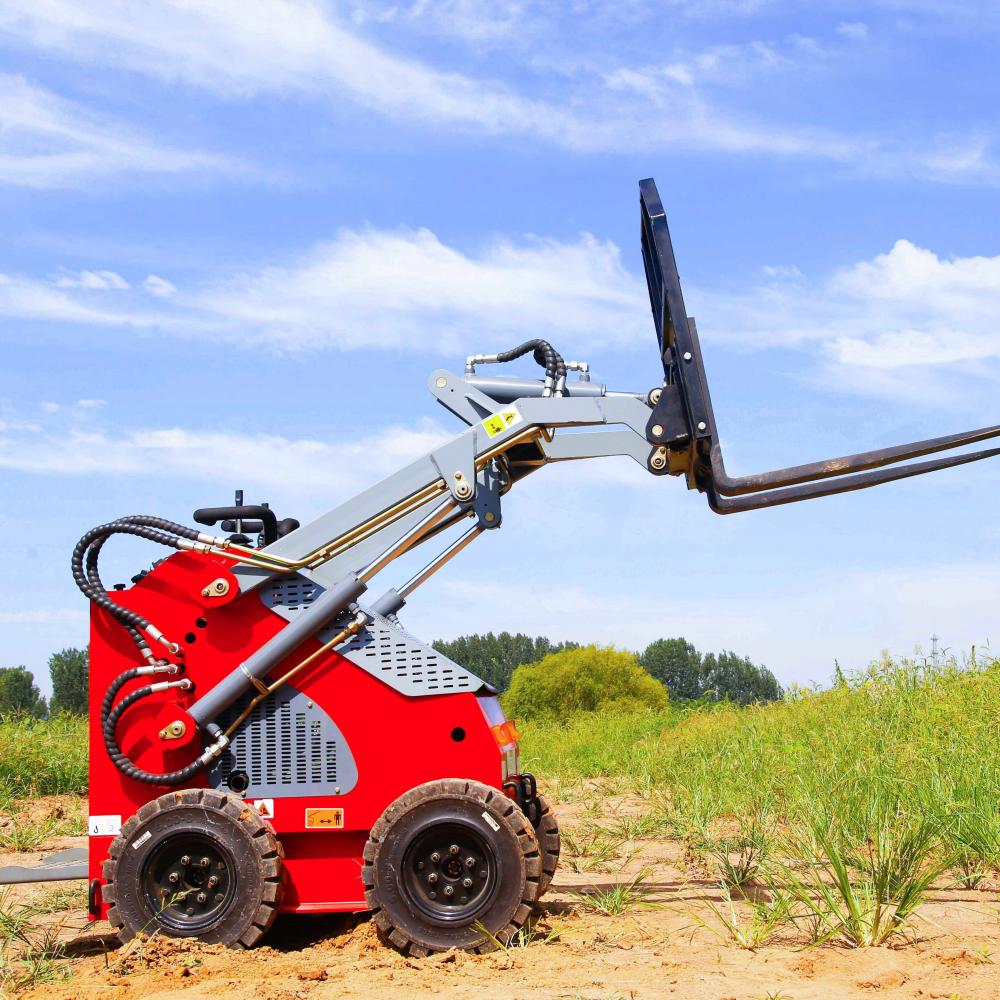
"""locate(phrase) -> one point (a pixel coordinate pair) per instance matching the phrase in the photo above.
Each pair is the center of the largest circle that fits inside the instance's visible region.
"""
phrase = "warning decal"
(501, 420)
(264, 807)
(324, 819)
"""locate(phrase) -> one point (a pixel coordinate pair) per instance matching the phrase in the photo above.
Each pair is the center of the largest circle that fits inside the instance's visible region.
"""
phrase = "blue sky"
(235, 238)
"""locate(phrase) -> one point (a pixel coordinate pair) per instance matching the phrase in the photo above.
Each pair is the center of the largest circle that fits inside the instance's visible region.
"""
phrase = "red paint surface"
(397, 742)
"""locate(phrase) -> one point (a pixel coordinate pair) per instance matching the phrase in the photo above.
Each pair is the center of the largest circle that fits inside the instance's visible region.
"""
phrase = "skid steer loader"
(266, 736)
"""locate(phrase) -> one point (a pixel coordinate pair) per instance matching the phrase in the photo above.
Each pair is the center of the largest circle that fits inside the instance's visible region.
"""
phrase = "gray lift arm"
(515, 426)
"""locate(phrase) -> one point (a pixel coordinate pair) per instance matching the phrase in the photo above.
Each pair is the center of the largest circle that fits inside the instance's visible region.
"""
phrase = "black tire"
(547, 833)
(428, 823)
(194, 863)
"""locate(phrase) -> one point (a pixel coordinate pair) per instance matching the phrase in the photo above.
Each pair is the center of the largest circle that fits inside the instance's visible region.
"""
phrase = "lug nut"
(453, 849)
(185, 861)
(449, 890)
(470, 862)
(467, 882)
(219, 897)
(202, 898)
(213, 881)
(435, 857)
(432, 878)
(173, 877)
(204, 863)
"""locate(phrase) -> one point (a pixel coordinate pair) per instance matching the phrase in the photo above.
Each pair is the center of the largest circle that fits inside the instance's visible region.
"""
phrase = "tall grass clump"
(43, 756)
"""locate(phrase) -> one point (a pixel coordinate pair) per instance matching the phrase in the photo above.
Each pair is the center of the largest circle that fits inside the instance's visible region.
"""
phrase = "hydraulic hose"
(544, 354)
(109, 723)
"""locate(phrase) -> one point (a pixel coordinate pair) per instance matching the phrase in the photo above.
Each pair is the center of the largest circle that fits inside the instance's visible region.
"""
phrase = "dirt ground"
(660, 948)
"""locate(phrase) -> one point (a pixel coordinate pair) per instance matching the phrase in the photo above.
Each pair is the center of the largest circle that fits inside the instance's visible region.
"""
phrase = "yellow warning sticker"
(324, 819)
(500, 421)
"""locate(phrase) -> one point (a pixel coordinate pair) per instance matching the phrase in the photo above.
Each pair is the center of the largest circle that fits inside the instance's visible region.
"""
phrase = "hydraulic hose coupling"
(160, 667)
(220, 744)
(157, 636)
(203, 543)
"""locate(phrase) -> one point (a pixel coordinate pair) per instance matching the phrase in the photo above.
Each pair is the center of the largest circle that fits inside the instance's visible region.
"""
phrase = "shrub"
(588, 679)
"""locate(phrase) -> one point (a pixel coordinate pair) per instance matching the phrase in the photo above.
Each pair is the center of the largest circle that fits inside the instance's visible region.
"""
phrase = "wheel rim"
(450, 872)
(188, 882)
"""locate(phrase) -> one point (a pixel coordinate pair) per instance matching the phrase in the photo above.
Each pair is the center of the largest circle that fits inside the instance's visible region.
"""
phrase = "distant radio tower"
(935, 652)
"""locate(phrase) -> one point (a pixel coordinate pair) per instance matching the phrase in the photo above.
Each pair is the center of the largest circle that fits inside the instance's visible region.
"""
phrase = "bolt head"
(654, 396)
(467, 882)
(204, 863)
(453, 849)
(449, 890)
(470, 862)
(687, 355)
(213, 881)
(657, 430)
(702, 425)
(432, 878)
(202, 897)
(442, 382)
(435, 857)
(185, 861)
(173, 877)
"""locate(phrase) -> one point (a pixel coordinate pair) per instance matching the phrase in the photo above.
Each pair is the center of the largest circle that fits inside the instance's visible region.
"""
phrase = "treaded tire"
(458, 809)
(547, 833)
(231, 832)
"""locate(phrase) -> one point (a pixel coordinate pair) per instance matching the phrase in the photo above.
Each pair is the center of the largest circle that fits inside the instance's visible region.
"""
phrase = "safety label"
(104, 826)
(501, 420)
(324, 819)
(264, 807)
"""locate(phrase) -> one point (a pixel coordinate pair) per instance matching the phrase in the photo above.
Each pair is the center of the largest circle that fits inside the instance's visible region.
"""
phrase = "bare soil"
(660, 948)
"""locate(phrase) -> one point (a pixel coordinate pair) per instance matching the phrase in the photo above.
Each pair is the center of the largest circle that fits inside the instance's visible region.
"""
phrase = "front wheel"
(451, 864)
(194, 863)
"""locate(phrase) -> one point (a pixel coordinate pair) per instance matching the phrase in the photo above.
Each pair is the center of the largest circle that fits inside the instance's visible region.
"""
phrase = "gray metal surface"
(402, 661)
(288, 747)
(58, 867)
(260, 662)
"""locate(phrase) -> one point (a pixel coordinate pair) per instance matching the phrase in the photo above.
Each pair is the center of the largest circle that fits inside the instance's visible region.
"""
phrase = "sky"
(235, 238)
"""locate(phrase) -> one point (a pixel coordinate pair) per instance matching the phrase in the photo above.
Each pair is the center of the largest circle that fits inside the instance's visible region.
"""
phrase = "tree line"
(687, 674)
(68, 671)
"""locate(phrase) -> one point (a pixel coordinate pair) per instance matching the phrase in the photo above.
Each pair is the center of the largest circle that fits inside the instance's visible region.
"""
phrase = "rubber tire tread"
(265, 845)
(547, 833)
(502, 809)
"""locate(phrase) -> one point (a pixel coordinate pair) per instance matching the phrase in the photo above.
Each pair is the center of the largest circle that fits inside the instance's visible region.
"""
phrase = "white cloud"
(379, 288)
(158, 286)
(299, 47)
(92, 279)
(49, 142)
(906, 308)
(855, 30)
(301, 466)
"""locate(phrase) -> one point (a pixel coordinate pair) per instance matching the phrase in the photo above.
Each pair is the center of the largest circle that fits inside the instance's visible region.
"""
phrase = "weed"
(872, 909)
(764, 919)
(28, 956)
(620, 898)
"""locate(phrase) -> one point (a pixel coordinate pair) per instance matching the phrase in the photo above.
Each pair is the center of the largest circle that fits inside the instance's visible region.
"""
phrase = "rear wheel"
(547, 832)
(194, 863)
(451, 864)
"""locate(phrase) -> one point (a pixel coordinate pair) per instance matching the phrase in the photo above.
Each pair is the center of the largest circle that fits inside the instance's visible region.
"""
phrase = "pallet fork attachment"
(683, 419)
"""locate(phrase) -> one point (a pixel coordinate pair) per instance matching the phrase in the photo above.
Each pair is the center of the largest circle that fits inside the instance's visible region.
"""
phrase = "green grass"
(880, 786)
(43, 757)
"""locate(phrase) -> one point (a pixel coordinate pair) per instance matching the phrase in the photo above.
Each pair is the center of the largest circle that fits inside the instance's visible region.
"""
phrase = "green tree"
(68, 670)
(587, 678)
(676, 664)
(737, 678)
(495, 657)
(19, 694)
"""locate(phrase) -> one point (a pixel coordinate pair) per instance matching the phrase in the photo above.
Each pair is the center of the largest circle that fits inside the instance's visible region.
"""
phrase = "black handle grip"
(212, 515)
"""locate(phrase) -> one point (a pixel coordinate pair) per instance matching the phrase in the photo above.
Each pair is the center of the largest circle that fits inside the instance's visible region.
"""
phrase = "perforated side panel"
(402, 661)
(289, 595)
(288, 746)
